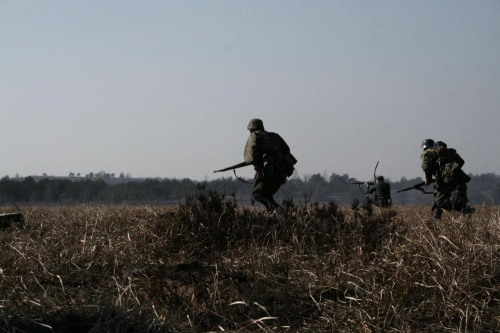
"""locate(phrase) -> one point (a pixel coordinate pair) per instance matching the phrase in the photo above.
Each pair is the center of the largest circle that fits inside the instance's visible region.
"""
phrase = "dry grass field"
(212, 265)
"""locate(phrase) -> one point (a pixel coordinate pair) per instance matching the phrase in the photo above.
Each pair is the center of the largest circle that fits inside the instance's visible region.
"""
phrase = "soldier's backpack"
(450, 165)
(277, 148)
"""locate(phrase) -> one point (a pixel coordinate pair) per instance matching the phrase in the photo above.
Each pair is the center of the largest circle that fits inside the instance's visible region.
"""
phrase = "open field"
(211, 265)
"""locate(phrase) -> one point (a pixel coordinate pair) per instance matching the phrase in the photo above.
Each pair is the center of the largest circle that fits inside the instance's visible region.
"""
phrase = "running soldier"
(445, 165)
(270, 156)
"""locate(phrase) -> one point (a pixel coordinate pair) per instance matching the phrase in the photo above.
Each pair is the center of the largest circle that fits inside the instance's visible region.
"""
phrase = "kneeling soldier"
(380, 193)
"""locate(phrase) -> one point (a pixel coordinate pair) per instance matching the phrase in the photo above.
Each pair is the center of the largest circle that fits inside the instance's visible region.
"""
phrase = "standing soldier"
(380, 193)
(450, 189)
(270, 156)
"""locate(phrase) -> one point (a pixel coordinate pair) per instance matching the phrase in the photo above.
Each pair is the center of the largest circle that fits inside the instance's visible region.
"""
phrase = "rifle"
(234, 167)
(417, 187)
(362, 183)
(369, 183)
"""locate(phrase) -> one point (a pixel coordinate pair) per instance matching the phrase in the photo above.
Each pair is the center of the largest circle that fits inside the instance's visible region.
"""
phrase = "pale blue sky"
(166, 88)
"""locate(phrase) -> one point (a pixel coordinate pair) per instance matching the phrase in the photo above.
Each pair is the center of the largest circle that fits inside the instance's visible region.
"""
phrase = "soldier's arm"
(252, 153)
(459, 160)
(427, 166)
(371, 189)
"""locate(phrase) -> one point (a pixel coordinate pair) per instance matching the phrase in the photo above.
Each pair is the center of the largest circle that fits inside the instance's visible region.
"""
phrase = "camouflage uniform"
(263, 153)
(450, 189)
(379, 194)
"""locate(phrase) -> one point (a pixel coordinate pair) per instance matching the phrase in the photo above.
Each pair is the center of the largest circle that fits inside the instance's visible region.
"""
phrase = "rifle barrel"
(416, 186)
(236, 166)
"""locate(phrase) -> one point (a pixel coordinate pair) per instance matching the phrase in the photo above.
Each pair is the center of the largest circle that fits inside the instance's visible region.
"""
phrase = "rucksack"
(274, 145)
(450, 166)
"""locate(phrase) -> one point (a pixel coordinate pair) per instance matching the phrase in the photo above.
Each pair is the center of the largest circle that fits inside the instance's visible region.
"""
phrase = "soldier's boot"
(436, 213)
(469, 210)
(274, 207)
(267, 205)
(266, 201)
(270, 204)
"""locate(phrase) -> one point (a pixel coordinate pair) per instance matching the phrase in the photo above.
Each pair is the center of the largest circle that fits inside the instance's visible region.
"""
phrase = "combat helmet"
(256, 125)
(427, 143)
(440, 144)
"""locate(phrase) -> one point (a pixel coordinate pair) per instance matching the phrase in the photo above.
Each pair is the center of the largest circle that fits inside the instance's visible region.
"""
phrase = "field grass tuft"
(212, 265)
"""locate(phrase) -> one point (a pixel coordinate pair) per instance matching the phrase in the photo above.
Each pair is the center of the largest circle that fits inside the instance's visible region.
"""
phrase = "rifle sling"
(359, 185)
(423, 191)
(241, 179)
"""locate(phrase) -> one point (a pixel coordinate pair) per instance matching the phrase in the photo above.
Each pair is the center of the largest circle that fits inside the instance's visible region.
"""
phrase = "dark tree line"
(483, 189)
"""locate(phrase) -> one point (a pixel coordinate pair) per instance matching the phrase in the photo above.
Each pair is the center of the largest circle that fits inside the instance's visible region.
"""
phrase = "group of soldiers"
(443, 166)
(273, 163)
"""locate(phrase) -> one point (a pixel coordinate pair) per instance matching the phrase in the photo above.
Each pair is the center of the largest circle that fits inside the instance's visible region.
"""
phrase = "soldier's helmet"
(427, 143)
(256, 125)
(441, 145)
(381, 178)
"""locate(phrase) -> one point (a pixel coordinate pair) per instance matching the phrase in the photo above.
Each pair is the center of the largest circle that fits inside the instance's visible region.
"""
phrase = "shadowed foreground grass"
(211, 265)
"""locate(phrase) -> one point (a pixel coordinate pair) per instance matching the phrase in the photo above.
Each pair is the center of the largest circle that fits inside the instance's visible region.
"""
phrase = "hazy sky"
(166, 88)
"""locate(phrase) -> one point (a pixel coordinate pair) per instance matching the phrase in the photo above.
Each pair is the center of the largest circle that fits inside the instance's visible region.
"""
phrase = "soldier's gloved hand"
(366, 184)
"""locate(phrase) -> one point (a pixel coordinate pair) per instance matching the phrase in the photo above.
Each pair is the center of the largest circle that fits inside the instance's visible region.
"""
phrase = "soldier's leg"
(441, 201)
(459, 198)
(385, 203)
(370, 199)
(262, 191)
(257, 191)
(277, 181)
(439, 204)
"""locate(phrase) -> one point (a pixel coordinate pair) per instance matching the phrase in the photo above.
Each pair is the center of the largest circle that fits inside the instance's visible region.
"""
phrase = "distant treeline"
(483, 190)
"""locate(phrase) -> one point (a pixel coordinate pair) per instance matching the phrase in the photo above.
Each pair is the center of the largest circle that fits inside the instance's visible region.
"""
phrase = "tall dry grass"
(212, 265)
